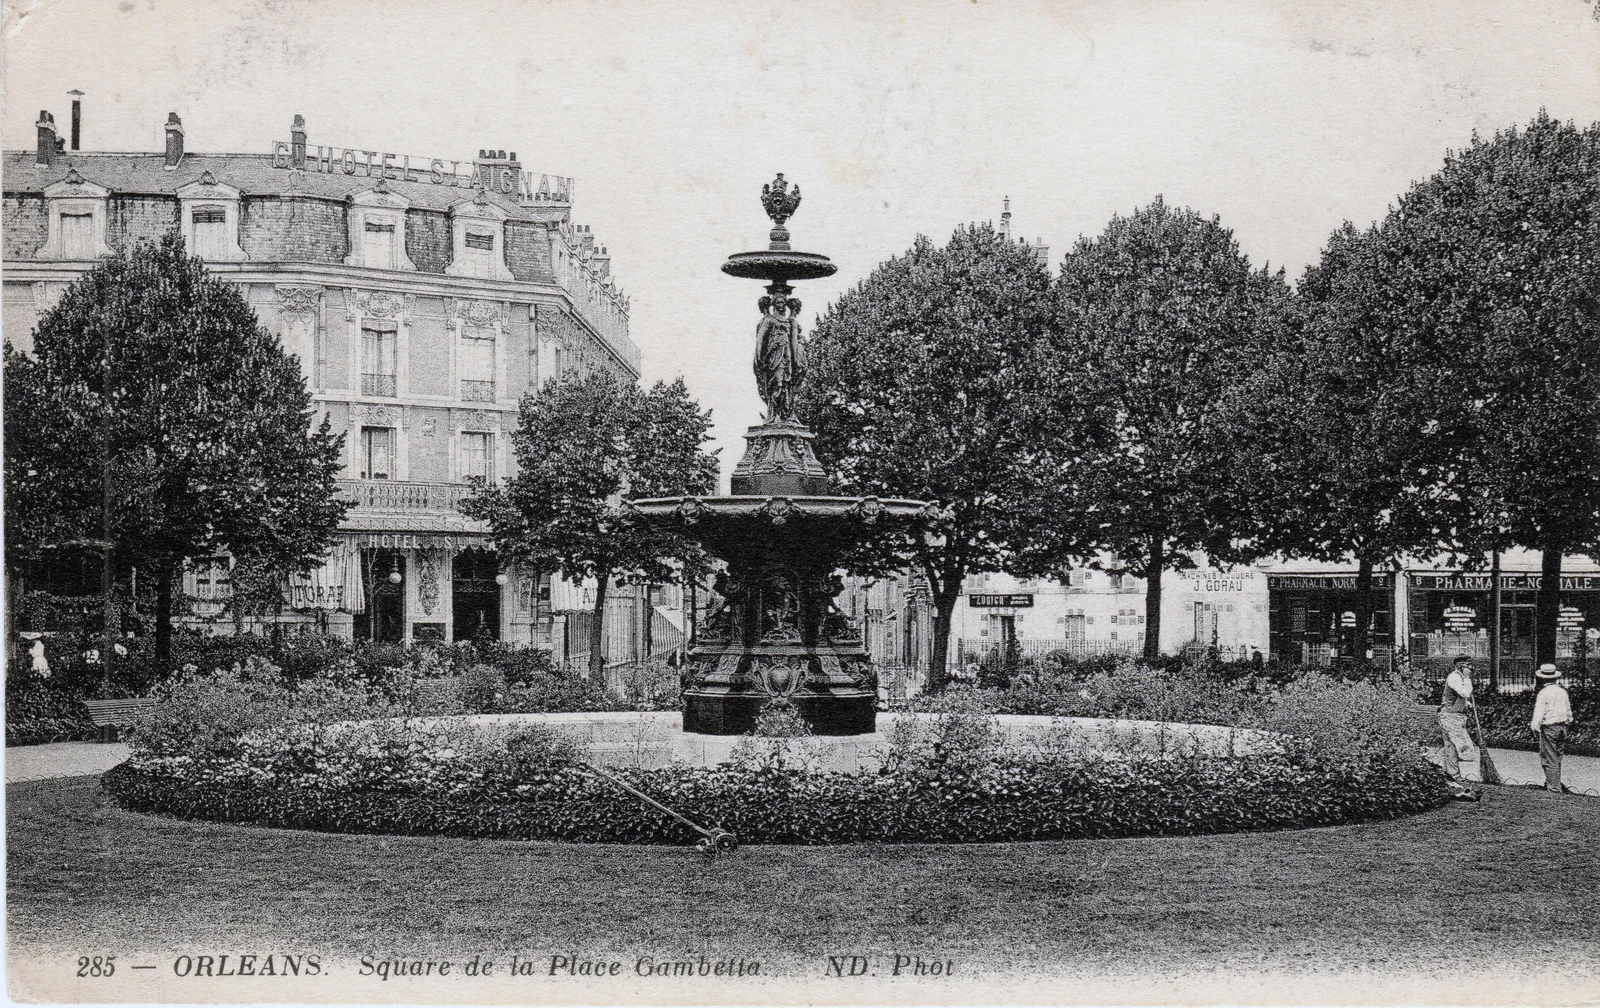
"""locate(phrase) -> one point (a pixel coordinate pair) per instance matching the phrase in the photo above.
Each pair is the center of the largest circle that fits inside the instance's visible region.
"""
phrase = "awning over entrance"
(336, 584)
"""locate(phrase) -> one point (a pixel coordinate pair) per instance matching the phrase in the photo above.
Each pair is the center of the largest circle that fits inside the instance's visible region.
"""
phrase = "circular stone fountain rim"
(779, 265)
(738, 506)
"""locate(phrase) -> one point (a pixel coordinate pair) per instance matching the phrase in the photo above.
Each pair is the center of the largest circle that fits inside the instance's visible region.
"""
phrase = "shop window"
(477, 368)
(377, 453)
(377, 362)
(477, 455)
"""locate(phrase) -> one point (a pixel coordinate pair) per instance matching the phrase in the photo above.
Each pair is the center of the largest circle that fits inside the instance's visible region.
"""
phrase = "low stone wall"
(653, 739)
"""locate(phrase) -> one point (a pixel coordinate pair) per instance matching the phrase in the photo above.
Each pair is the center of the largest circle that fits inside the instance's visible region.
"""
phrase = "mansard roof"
(253, 174)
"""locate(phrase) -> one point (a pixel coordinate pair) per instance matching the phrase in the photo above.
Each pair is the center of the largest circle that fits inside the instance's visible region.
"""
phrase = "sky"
(1285, 119)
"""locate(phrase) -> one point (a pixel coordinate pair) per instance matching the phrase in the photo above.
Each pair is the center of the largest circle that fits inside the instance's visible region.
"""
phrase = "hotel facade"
(424, 297)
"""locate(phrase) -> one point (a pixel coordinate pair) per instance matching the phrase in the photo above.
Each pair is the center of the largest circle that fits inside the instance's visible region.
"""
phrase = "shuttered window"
(210, 232)
(77, 236)
(379, 250)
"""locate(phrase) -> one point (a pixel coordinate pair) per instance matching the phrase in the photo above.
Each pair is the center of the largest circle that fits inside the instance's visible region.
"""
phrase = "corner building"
(423, 296)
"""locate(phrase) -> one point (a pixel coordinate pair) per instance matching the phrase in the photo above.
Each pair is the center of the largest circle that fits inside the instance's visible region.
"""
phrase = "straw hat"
(1548, 671)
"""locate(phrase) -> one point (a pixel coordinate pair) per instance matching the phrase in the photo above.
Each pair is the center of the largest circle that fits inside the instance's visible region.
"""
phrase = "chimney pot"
(46, 127)
(297, 142)
(174, 140)
(77, 115)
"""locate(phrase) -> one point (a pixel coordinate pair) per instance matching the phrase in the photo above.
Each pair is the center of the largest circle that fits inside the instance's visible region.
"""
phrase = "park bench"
(110, 715)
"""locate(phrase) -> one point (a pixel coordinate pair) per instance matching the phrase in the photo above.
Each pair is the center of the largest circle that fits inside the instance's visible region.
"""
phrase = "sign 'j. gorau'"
(501, 178)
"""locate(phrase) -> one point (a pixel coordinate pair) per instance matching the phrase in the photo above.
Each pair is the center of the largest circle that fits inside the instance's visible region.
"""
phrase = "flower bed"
(400, 777)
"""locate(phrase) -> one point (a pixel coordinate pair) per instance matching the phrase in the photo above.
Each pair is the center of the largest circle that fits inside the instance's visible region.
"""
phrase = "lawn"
(1513, 879)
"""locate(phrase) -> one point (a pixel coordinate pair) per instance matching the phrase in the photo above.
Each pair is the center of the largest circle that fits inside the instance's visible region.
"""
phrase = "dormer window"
(479, 246)
(378, 230)
(77, 219)
(210, 220)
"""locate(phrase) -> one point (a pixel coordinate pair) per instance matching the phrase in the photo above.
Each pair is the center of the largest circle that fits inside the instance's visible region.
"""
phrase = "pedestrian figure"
(1455, 701)
(41, 664)
(1552, 712)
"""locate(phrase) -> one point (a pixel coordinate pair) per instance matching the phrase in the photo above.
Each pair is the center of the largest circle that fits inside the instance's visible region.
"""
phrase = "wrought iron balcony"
(402, 495)
(477, 391)
(377, 384)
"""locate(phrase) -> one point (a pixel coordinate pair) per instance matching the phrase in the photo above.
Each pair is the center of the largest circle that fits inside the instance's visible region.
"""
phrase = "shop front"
(1312, 617)
(1451, 615)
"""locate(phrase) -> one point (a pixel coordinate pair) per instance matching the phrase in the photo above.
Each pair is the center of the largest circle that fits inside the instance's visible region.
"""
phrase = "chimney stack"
(297, 143)
(174, 140)
(47, 137)
(77, 116)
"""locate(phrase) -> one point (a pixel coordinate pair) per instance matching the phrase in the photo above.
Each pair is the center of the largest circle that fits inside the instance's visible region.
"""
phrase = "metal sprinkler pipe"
(712, 842)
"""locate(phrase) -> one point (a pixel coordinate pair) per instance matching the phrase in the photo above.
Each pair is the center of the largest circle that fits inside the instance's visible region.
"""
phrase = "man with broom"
(1455, 702)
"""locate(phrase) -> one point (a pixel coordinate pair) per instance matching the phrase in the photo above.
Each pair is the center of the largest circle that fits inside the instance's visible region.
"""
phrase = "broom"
(1486, 768)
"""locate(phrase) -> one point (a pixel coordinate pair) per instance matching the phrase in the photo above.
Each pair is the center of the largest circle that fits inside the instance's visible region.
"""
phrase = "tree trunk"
(163, 641)
(1154, 565)
(1547, 606)
(1364, 608)
(1494, 624)
(946, 593)
(597, 629)
(110, 626)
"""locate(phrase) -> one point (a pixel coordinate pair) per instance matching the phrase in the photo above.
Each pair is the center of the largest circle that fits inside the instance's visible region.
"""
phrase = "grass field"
(1513, 878)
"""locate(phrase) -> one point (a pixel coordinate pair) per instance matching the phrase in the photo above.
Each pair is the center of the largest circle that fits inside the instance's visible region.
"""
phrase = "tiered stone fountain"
(775, 632)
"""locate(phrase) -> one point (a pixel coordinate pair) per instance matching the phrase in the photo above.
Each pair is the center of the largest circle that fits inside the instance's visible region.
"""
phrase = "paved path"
(78, 759)
(62, 759)
(1578, 773)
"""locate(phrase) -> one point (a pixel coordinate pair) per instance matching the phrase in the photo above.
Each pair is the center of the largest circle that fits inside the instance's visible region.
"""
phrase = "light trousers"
(1460, 752)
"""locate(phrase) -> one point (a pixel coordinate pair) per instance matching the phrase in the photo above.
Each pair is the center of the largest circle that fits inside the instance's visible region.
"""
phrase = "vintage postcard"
(961, 502)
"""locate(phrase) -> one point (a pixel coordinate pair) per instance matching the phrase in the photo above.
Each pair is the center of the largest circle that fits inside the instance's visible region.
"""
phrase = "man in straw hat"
(1455, 701)
(1552, 712)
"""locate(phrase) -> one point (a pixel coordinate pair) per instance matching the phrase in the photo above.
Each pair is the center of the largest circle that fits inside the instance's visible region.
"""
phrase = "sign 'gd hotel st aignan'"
(378, 164)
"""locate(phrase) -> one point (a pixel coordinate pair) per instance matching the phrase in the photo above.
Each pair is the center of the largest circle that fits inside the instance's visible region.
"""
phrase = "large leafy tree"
(1356, 457)
(1494, 277)
(157, 419)
(1163, 323)
(582, 445)
(927, 381)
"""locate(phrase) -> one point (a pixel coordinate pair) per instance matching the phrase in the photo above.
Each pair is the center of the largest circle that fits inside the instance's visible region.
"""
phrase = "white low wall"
(655, 738)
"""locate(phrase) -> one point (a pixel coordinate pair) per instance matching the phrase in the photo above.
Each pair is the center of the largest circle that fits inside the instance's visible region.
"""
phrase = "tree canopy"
(926, 380)
(1163, 322)
(582, 445)
(157, 416)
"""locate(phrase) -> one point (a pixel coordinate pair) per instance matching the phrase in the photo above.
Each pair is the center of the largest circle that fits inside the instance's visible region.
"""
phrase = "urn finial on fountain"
(780, 205)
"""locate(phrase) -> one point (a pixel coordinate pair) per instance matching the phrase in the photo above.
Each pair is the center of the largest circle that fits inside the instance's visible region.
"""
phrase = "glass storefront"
(1312, 617)
(1450, 616)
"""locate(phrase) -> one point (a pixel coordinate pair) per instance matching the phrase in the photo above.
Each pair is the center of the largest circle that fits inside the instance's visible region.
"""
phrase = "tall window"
(377, 452)
(210, 232)
(477, 368)
(77, 236)
(1077, 624)
(477, 455)
(377, 362)
(378, 249)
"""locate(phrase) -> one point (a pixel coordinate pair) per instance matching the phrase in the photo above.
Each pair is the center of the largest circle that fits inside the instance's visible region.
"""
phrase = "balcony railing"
(477, 391)
(399, 495)
(377, 384)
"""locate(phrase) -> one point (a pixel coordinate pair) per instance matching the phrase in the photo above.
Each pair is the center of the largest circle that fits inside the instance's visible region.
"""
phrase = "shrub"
(38, 712)
(482, 690)
(781, 719)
